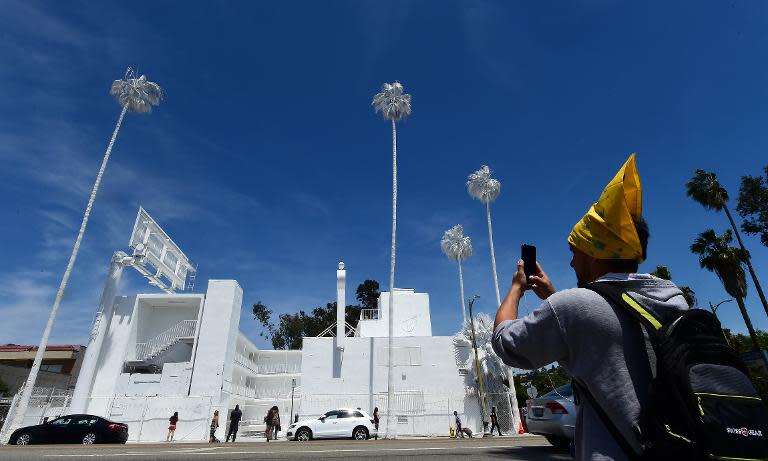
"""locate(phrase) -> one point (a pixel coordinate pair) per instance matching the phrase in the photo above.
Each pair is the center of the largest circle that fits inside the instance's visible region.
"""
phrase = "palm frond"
(392, 102)
(137, 93)
(455, 244)
(707, 190)
(482, 187)
(716, 255)
(490, 364)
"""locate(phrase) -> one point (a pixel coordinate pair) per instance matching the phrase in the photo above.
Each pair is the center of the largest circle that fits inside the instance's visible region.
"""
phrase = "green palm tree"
(707, 190)
(394, 105)
(716, 255)
(134, 94)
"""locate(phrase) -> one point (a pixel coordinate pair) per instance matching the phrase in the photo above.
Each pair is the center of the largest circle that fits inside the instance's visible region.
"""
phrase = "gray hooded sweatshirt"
(597, 343)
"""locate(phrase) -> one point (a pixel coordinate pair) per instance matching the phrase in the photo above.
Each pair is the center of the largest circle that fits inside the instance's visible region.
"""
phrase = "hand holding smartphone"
(528, 255)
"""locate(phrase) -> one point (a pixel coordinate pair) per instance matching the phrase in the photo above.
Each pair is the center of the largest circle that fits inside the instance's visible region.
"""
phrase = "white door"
(347, 423)
(328, 426)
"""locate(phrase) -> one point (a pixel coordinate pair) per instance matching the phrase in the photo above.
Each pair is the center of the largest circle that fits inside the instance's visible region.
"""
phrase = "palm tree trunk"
(461, 286)
(510, 374)
(749, 262)
(493, 256)
(30, 383)
(390, 349)
(751, 329)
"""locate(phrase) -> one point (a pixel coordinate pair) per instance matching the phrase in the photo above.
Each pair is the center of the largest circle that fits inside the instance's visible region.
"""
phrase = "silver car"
(553, 415)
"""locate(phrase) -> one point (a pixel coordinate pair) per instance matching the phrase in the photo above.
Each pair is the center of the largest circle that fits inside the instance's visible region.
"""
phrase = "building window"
(53, 368)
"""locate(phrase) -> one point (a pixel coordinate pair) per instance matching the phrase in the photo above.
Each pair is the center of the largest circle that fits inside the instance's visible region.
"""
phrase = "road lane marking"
(262, 452)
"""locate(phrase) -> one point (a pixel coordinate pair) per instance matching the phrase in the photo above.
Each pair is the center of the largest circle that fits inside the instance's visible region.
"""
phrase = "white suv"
(335, 424)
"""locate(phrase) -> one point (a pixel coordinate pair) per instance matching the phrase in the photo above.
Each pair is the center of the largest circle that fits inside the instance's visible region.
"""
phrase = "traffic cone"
(520, 429)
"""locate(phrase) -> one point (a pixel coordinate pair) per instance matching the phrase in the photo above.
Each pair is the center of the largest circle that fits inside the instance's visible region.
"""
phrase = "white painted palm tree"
(490, 364)
(458, 247)
(482, 187)
(134, 94)
(394, 105)
(486, 189)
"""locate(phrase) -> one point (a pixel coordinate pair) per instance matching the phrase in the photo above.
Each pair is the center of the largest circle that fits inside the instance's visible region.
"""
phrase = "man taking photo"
(596, 341)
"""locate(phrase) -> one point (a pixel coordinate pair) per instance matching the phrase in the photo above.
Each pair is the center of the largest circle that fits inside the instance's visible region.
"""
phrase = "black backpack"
(701, 402)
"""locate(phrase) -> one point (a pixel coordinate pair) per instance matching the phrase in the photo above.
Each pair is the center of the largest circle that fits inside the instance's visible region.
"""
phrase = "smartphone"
(528, 255)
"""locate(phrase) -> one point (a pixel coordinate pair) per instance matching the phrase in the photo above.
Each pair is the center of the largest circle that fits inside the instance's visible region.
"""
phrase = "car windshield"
(564, 391)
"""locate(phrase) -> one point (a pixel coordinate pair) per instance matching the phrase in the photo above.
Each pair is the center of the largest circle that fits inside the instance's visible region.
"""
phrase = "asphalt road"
(498, 448)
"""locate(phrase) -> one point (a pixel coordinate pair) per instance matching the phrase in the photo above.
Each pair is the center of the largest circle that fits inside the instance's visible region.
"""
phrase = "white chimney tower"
(341, 303)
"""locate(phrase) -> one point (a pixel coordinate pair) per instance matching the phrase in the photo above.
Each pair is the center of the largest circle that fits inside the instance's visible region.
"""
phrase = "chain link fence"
(148, 417)
(415, 413)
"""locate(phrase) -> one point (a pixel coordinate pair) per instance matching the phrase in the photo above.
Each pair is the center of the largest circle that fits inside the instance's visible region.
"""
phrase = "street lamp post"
(714, 311)
(293, 386)
(714, 308)
(481, 391)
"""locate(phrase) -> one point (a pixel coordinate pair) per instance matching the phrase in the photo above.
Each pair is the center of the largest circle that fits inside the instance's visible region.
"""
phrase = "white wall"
(112, 355)
(411, 316)
(218, 333)
(362, 380)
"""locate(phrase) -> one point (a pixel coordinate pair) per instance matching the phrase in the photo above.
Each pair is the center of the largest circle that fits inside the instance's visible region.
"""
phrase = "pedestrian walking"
(494, 421)
(589, 335)
(376, 422)
(172, 426)
(268, 420)
(276, 421)
(214, 426)
(234, 423)
(459, 431)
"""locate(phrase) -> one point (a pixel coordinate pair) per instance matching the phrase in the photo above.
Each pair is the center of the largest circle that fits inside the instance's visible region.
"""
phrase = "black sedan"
(85, 429)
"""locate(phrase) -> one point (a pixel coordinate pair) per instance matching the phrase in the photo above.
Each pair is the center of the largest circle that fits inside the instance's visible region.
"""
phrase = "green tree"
(367, 294)
(753, 205)
(544, 380)
(292, 328)
(663, 272)
(707, 190)
(743, 343)
(716, 255)
(263, 314)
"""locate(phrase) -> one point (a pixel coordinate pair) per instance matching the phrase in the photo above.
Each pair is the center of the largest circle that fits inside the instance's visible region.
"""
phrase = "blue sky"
(266, 163)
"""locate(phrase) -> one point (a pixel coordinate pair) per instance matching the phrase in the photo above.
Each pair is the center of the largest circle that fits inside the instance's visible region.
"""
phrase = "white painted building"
(153, 354)
(431, 378)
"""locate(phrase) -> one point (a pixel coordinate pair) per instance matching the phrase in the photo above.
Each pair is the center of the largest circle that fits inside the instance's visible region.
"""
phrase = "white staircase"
(184, 330)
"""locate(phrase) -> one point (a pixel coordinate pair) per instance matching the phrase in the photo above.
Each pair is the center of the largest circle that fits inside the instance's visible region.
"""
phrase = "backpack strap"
(650, 326)
(651, 322)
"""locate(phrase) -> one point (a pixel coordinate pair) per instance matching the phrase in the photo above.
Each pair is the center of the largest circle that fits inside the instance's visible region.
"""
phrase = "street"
(512, 448)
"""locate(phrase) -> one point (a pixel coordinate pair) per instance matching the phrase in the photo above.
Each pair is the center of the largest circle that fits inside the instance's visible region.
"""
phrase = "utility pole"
(481, 391)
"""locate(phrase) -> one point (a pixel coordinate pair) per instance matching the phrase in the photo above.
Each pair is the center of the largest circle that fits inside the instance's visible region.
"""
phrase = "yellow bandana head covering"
(608, 231)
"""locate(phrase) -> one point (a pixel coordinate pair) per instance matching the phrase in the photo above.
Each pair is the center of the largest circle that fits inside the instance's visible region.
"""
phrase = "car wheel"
(24, 439)
(89, 438)
(360, 433)
(303, 435)
(558, 442)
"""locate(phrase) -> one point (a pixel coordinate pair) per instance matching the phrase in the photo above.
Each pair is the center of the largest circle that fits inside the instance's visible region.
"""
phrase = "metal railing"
(155, 346)
(270, 362)
(369, 314)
